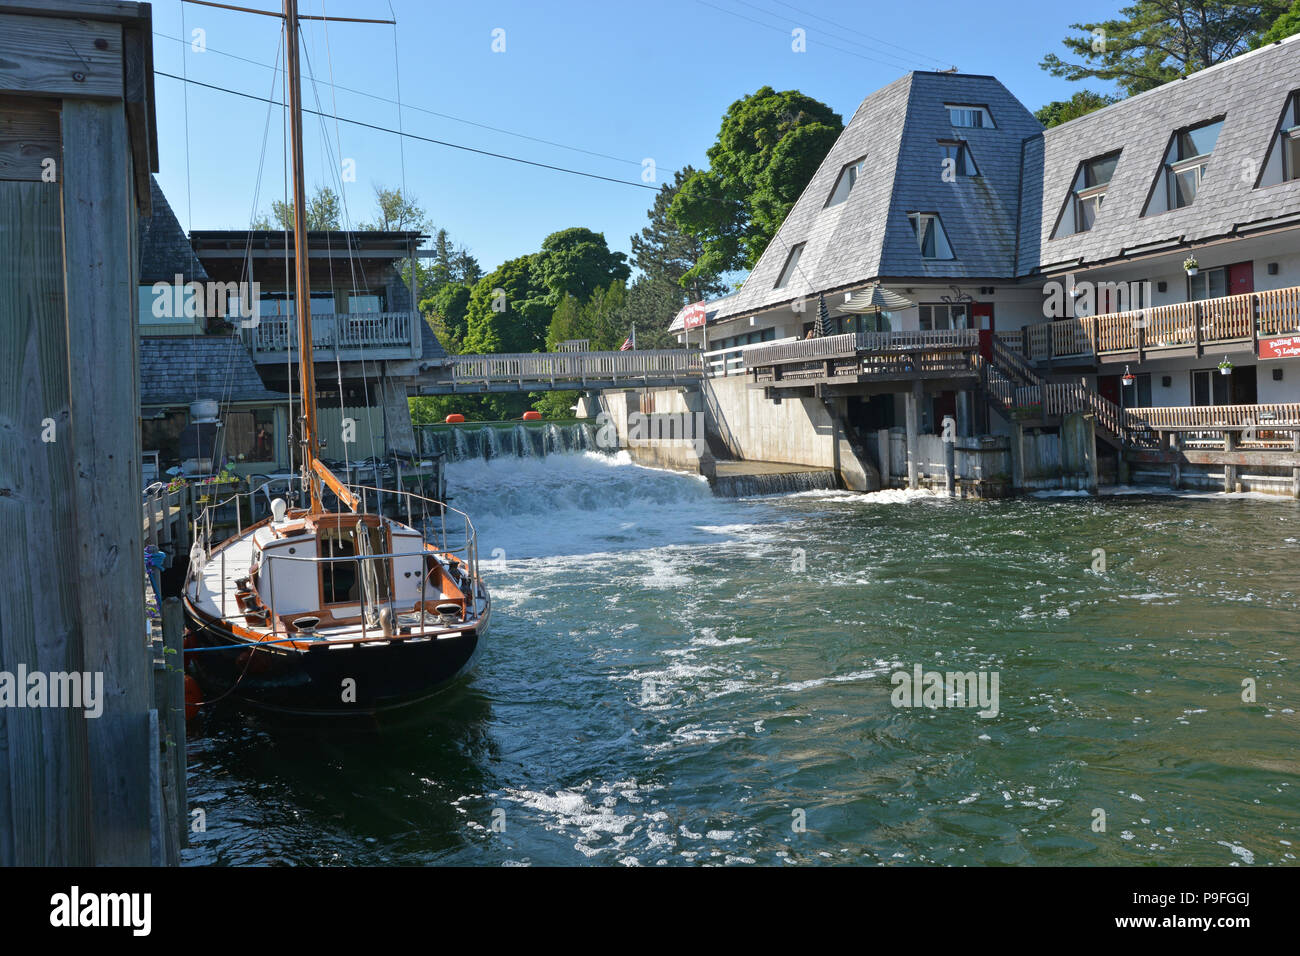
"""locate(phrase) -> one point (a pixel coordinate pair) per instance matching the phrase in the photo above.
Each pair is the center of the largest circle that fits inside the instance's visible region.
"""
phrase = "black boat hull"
(363, 679)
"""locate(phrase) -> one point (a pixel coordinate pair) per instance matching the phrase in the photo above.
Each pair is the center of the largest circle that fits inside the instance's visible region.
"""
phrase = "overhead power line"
(423, 139)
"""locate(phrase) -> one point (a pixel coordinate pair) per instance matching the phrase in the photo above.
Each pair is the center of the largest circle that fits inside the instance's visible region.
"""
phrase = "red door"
(1108, 385)
(981, 317)
(1241, 278)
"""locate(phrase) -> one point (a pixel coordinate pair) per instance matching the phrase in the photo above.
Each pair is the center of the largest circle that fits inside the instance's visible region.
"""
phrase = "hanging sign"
(1288, 346)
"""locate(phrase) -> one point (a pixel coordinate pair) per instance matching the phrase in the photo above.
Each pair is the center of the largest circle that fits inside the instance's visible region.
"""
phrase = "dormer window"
(791, 263)
(930, 237)
(971, 117)
(957, 158)
(845, 181)
(1086, 195)
(1186, 161)
(1283, 163)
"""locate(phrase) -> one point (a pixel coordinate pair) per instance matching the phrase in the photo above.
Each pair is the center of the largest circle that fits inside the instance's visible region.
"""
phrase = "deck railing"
(339, 331)
(720, 363)
(1180, 324)
(850, 343)
(575, 366)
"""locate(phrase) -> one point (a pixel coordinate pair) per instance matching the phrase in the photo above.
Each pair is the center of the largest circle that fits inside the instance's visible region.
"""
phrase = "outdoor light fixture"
(1166, 381)
(1277, 375)
(1162, 286)
(1272, 268)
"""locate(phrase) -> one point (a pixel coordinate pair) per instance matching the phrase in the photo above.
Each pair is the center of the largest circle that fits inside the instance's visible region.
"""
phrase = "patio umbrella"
(876, 298)
(822, 324)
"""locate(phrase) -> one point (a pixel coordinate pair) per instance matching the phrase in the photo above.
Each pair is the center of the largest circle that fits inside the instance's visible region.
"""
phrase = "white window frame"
(850, 172)
(791, 264)
(986, 118)
(918, 220)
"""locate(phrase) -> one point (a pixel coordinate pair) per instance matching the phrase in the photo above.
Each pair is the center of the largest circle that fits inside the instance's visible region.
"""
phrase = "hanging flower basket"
(1225, 367)
(1191, 265)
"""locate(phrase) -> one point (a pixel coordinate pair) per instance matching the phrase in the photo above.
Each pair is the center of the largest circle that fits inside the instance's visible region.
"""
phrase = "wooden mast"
(302, 263)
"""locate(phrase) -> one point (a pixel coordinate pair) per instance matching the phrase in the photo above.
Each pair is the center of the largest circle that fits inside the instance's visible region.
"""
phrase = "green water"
(663, 685)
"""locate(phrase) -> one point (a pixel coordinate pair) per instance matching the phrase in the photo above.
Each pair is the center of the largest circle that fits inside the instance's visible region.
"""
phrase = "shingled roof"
(164, 250)
(999, 223)
(179, 369)
(897, 130)
(1248, 91)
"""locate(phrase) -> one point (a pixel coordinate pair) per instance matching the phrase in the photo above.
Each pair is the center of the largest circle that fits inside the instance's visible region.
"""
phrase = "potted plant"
(1191, 265)
(1225, 367)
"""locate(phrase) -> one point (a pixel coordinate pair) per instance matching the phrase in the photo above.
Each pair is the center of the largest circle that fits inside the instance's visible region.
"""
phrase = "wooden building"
(77, 146)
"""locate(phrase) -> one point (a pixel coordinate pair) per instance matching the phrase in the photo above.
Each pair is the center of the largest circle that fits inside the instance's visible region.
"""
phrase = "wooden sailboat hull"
(362, 679)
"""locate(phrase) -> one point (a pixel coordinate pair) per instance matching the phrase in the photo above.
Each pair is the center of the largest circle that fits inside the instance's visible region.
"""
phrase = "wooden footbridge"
(563, 371)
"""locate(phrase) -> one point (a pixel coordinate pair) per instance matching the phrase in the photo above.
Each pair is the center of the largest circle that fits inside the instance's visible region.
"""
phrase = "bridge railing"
(851, 343)
(575, 366)
(720, 363)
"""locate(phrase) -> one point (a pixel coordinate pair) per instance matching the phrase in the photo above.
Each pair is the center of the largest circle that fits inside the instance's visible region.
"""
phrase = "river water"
(674, 678)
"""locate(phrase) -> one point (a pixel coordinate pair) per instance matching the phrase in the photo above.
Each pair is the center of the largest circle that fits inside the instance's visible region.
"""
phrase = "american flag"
(630, 342)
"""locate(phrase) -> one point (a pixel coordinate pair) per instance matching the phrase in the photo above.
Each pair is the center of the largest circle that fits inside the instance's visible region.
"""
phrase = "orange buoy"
(193, 697)
(455, 418)
(532, 416)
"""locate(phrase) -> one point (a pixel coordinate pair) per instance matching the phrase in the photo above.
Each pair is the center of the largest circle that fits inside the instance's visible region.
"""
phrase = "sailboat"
(332, 611)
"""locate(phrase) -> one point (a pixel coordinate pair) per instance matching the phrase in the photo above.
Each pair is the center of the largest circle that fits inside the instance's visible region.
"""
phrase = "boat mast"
(302, 264)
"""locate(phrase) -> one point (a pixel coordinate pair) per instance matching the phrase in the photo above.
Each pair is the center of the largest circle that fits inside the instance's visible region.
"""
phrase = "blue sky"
(614, 82)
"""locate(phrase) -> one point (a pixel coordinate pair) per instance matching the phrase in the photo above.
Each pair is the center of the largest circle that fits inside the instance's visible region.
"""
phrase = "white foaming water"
(582, 504)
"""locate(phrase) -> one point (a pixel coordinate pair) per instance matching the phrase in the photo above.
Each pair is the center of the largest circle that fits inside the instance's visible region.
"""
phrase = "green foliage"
(664, 253)
(508, 310)
(769, 146)
(577, 262)
(324, 212)
(599, 320)
(447, 312)
(650, 307)
(1081, 103)
(1153, 41)
(1286, 25)
(396, 213)
(555, 404)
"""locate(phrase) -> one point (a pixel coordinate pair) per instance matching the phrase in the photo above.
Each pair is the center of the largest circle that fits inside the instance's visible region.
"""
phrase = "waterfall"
(781, 483)
(475, 440)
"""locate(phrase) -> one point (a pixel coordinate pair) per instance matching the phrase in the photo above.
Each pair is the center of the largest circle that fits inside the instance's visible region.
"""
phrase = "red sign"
(693, 315)
(1288, 346)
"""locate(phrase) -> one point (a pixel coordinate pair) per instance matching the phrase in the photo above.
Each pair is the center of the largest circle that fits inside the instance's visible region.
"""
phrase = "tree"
(577, 262)
(447, 311)
(600, 320)
(324, 212)
(1081, 103)
(666, 253)
(650, 307)
(396, 212)
(508, 310)
(1156, 41)
(769, 146)
(1286, 25)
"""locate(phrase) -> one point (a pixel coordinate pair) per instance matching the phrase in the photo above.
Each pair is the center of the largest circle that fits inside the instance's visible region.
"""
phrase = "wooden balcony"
(347, 337)
(864, 358)
(1179, 328)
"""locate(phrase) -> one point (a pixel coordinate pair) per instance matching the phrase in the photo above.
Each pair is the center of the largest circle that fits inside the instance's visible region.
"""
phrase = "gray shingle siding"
(179, 369)
(164, 250)
(1000, 223)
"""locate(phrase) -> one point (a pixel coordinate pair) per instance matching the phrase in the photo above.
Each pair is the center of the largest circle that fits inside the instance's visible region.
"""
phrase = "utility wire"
(423, 139)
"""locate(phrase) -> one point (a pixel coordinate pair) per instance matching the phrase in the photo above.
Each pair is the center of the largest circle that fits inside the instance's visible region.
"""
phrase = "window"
(930, 237)
(956, 150)
(359, 301)
(1283, 163)
(1137, 395)
(278, 303)
(1209, 387)
(1186, 162)
(845, 181)
(1086, 195)
(162, 435)
(940, 316)
(976, 117)
(1208, 284)
(791, 263)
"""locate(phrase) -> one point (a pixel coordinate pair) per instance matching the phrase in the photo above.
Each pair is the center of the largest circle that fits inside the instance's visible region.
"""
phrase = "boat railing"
(456, 537)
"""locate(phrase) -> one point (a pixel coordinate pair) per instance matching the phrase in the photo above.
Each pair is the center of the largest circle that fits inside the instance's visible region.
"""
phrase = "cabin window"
(1209, 387)
(791, 263)
(845, 181)
(930, 237)
(1208, 284)
(361, 300)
